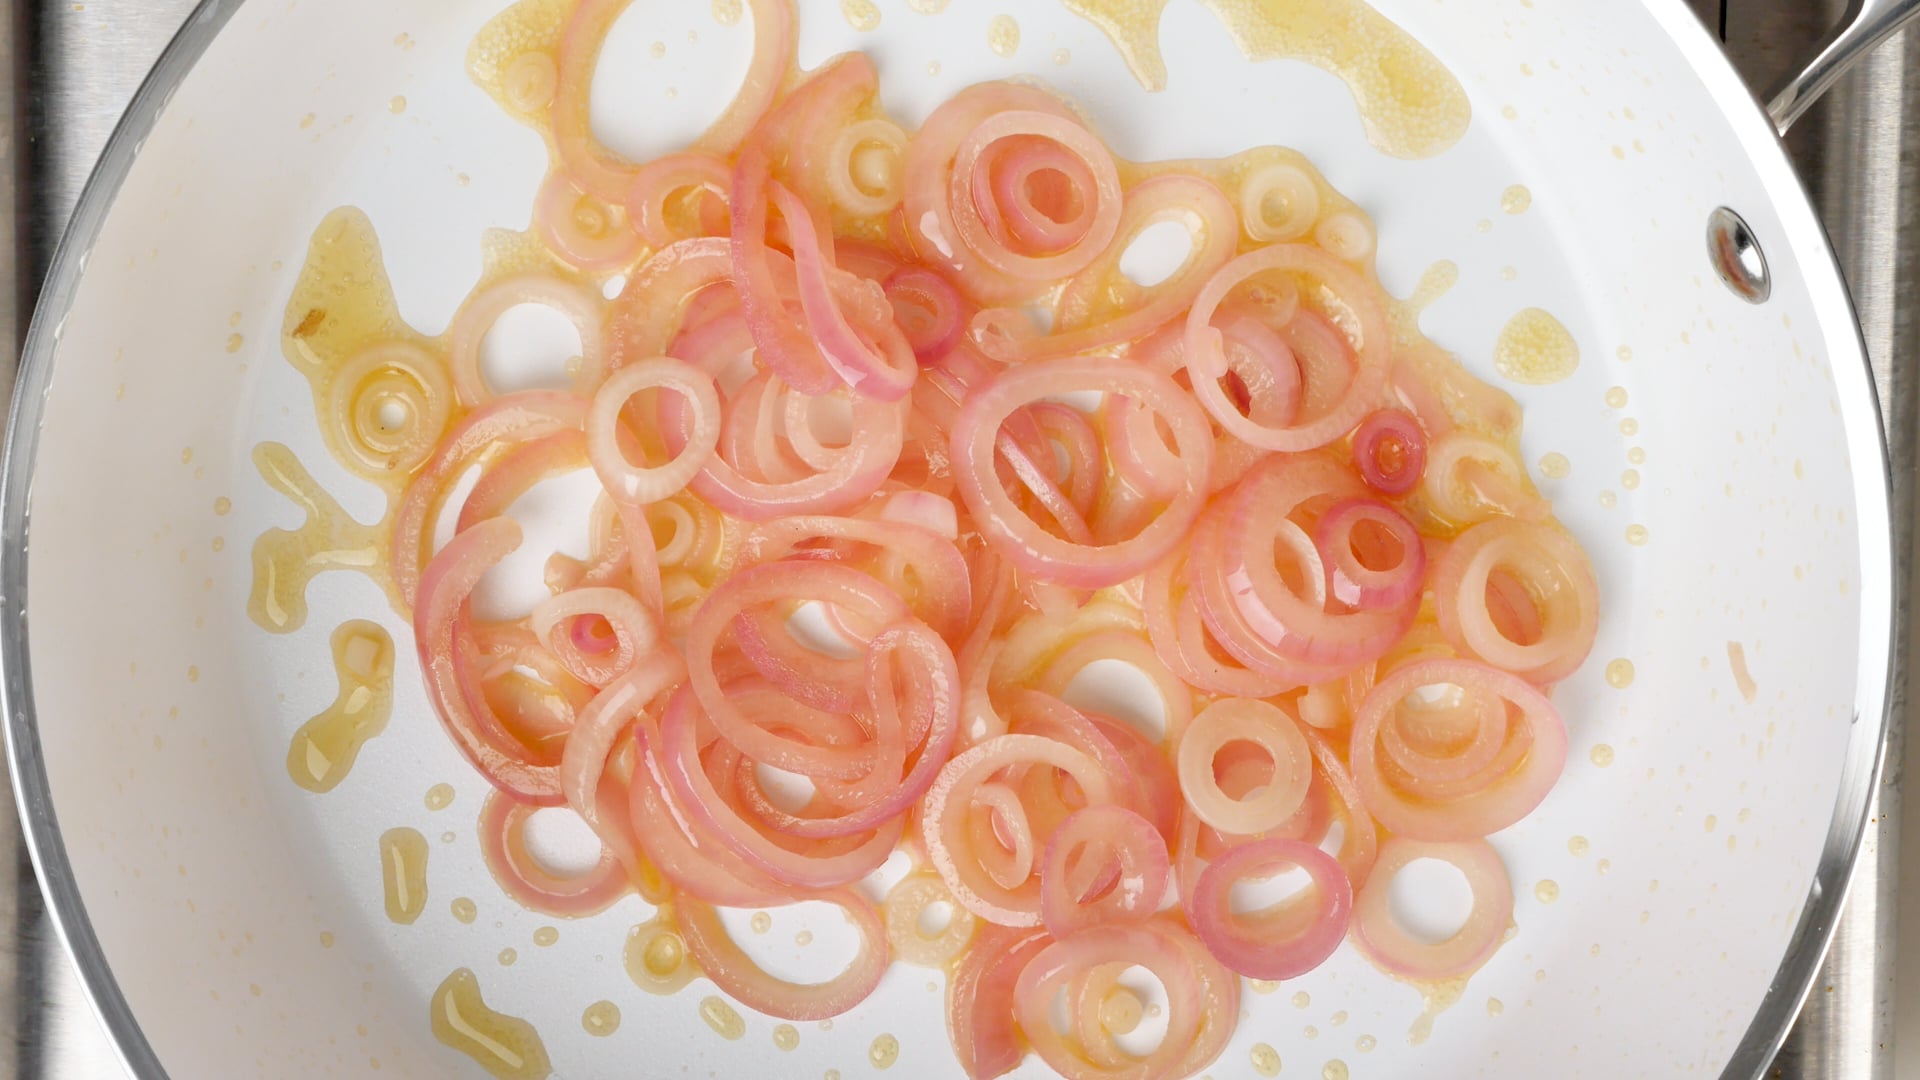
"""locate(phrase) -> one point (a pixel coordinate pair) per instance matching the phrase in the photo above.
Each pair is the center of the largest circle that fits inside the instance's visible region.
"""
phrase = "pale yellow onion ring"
(1382, 939)
(581, 306)
(901, 911)
(1106, 196)
(1299, 195)
(641, 484)
(1264, 725)
(845, 177)
(391, 373)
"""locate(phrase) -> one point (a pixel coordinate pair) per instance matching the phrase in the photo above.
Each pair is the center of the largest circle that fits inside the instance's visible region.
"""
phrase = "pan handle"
(1866, 24)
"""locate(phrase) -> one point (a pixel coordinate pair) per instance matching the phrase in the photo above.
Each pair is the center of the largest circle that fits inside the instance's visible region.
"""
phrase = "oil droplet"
(1629, 427)
(1334, 1070)
(1265, 1059)
(761, 922)
(398, 105)
(326, 939)
(439, 796)
(284, 561)
(1411, 105)
(832, 1074)
(236, 342)
(722, 1018)
(1630, 479)
(1494, 1007)
(601, 1019)
(1742, 679)
(403, 873)
(546, 936)
(505, 1046)
(727, 12)
(507, 957)
(884, 1052)
(786, 1037)
(1601, 755)
(1617, 397)
(1555, 466)
(658, 50)
(861, 14)
(464, 910)
(1439, 997)
(223, 506)
(1608, 499)
(1301, 1000)
(1547, 891)
(1263, 986)
(927, 7)
(1516, 199)
(1620, 673)
(307, 121)
(1062, 57)
(1439, 279)
(1577, 845)
(1535, 349)
(933, 68)
(447, 837)
(1338, 1018)
(1003, 35)
(324, 749)
(1637, 535)
(656, 956)
(803, 939)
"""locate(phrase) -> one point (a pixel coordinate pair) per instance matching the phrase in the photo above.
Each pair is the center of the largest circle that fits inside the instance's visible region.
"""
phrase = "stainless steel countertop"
(67, 70)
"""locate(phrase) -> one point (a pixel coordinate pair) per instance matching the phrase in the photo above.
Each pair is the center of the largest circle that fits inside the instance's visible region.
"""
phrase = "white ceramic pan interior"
(1725, 474)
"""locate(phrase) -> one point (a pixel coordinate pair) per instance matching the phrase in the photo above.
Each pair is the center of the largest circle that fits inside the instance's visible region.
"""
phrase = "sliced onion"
(949, 806)
(905, 907)
(1384, 941)
(1243, 720)
(1549, 579)
(502, 828)
(1391, 570)
(1147, 945)
(1391, 450)
(642, 484)
(1287, 940)
(980, 1000)
(976, 439)
(1504, 798)
(1357, 304)
(581, 306)
(1078, 884)
(736, 974)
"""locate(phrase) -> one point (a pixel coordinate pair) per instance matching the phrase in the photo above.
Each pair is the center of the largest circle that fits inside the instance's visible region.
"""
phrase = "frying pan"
(1675, 893)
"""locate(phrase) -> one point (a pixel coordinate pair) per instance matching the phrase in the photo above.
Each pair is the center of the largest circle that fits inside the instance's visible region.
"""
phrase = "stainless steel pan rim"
(1804, 238)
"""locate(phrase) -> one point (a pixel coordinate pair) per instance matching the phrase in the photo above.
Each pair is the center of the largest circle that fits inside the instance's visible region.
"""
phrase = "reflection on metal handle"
(1867, 23)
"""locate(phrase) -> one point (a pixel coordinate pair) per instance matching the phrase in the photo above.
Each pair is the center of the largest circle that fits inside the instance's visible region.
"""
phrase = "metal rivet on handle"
(1737, 257)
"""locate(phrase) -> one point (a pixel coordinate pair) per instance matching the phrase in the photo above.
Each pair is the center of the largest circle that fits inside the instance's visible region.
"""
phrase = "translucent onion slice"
(977, 439)
(1260, 724)
(1384, 941)
(1551, 580)
(736, 974)
(1103, 864)
(643, 484)
(905, 910)
(1290, 938)
(502, 829)
(580, 305)
(1355, 302)
(1505, 797)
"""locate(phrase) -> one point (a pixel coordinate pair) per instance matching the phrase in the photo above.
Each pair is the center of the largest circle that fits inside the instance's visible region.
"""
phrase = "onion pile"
(893, 452)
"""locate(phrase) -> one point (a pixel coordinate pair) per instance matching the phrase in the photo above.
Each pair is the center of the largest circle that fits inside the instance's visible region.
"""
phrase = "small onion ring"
(1386, 943)
(736, 974)
(502, 829)
(1235, 720)
(902, 908)
(581, 306)
(1287, 940)
(643, 484)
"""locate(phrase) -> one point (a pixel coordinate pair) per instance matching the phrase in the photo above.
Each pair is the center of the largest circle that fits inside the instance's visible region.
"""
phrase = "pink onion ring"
(502, 830)
(1287, 940)
(642, 484)
(1019, 538)
(1081, 850)
(1386, 575)
(1391, 450)
(736, 974)
(1243, 720)
(1555, 580)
